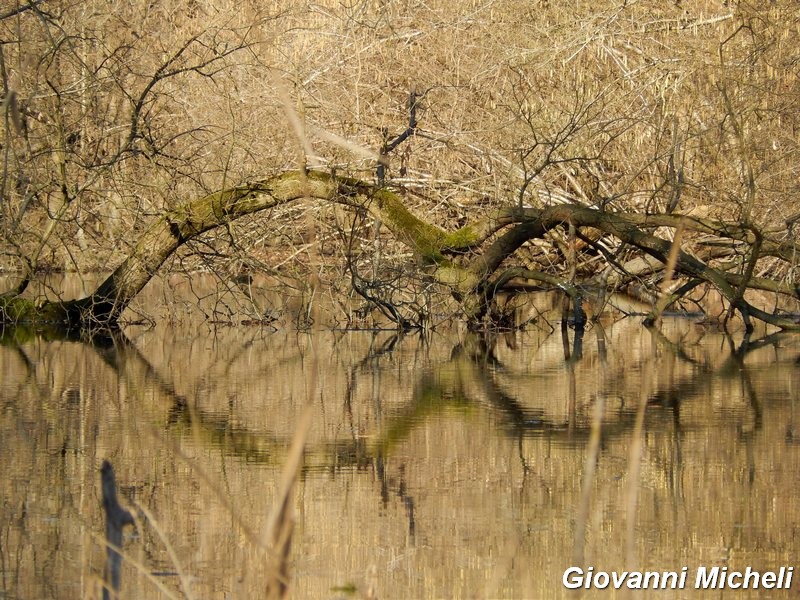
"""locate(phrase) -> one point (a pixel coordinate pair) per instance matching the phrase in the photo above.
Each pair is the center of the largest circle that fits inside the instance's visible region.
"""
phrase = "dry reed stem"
(635, 471)
(137, 565)
(277, 537)
(280, 524)
(217, 492)
(664, 298)
(592, 454)
(672, 258)
(173, 556)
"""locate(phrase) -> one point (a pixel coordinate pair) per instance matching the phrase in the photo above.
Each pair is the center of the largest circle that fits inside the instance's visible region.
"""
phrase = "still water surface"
(453, 465)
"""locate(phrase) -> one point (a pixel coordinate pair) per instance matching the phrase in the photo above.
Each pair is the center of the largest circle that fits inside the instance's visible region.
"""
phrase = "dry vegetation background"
(115, 111)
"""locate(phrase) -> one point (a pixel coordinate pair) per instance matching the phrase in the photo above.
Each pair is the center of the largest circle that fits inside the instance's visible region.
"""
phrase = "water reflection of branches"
(472, 377)
(480, 385)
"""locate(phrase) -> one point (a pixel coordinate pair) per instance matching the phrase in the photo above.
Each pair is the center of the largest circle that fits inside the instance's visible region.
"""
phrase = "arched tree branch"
(466, 276)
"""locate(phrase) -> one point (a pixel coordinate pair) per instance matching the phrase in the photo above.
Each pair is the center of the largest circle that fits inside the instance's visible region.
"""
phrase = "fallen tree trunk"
(453, 259)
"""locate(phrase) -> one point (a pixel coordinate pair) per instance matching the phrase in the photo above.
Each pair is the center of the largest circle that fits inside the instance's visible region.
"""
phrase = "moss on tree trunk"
(472, 281)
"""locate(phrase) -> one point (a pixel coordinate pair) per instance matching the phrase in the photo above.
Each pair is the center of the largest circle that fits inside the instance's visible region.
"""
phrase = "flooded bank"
(447, 465)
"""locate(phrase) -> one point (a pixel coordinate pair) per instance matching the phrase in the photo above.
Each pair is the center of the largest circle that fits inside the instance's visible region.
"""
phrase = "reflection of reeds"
(454, 385)
(276, 540)
(275, 543)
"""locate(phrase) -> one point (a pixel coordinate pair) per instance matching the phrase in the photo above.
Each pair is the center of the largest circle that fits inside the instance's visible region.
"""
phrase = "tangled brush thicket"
(113, 114)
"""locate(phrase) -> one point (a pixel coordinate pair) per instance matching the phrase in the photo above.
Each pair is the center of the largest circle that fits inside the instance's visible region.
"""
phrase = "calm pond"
(450, 465)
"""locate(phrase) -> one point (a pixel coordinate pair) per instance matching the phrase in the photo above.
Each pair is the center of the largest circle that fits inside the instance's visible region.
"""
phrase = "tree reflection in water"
(459, 464)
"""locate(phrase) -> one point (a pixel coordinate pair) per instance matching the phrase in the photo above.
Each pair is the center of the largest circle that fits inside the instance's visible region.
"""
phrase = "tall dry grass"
(111, 116)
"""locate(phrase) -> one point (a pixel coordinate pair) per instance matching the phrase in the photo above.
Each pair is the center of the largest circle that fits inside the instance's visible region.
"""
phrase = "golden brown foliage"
(112, 116)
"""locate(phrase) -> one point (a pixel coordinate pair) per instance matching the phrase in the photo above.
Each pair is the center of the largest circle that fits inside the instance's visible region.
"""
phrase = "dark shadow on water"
(117, 518)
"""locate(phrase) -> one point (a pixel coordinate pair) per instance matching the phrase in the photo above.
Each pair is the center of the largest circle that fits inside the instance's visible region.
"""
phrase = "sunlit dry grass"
(634, 106)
